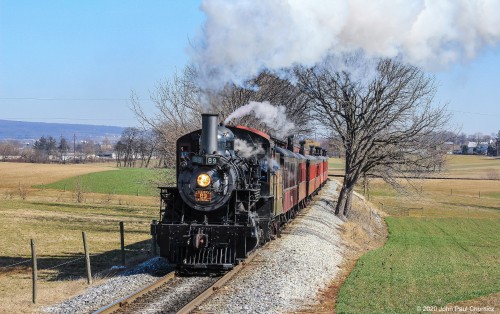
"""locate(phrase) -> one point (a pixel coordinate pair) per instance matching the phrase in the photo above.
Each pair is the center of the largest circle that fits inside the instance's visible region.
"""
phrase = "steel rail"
(131, 298)
(191, 306)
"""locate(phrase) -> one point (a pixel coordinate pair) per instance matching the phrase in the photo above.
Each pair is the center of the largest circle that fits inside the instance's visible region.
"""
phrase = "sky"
(79, 61)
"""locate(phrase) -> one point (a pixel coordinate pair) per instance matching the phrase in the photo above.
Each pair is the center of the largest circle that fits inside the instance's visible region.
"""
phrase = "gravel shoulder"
(288, 274)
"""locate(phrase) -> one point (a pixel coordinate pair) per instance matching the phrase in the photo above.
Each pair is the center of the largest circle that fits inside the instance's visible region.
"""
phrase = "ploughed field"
(443, 245)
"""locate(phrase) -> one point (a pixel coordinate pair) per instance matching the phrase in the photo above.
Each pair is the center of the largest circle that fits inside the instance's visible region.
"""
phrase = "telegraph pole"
(74, 148)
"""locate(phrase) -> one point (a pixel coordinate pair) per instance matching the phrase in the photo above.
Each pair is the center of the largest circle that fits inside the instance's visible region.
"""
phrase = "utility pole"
(74, 148)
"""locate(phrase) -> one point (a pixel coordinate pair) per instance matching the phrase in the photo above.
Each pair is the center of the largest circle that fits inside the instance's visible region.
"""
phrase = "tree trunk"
(345, 197)
(348, 200)
(340, 202)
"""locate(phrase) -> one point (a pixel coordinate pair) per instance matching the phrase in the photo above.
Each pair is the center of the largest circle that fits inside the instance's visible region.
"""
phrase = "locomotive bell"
(208, 138)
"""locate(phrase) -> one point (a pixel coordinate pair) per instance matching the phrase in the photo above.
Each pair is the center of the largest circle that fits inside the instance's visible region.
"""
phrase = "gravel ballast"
(285, 276)
(288, 273)
(113, 289)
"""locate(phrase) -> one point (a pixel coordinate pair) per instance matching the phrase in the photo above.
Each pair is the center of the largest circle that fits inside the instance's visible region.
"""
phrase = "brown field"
(479, 167)
(456, 166)
(56, 220)
(13, 174)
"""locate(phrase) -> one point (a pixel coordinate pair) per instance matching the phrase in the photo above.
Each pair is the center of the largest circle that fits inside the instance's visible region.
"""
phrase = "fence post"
(122, 242)
(87, 258)
(451, 192)
(153, 237)
(479, 194)
(34, 269)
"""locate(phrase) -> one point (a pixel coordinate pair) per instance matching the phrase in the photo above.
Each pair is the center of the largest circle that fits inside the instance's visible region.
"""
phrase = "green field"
(425, 262)
(443, 244)
(123, 181)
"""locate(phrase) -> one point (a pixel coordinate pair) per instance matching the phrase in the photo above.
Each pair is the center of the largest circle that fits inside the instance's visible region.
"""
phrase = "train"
(236, 188)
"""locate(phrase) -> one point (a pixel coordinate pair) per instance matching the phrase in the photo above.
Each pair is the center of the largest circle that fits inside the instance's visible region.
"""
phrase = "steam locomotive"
(236, 187)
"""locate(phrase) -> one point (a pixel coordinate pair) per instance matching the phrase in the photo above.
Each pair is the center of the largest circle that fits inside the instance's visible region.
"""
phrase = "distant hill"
(28, 131)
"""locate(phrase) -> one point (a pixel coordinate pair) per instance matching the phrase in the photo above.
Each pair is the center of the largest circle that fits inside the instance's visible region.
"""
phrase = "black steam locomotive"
(236, 186)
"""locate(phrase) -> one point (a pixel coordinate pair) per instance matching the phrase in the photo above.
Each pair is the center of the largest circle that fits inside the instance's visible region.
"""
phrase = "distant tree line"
(147, 148)
(137, 148)
(49, 149)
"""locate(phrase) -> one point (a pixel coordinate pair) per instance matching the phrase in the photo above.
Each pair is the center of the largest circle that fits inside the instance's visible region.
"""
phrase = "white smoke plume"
(246, 150)
(240, 38)
(274, 117)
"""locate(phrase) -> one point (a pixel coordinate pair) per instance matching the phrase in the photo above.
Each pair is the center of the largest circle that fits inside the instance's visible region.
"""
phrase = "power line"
(64, 99)
(78, 119)
(477, 113)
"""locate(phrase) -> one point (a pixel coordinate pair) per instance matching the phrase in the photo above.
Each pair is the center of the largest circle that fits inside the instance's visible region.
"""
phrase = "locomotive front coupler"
(199, 240)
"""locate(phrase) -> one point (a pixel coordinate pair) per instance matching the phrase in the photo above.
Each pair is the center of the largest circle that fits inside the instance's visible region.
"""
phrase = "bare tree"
(88, 148)
(9, 149)
(180, 101)
(127, 148)
(497, 144)
(146, 147)
(386, 122)
(120, 150)
(267, 86)
(178, 106)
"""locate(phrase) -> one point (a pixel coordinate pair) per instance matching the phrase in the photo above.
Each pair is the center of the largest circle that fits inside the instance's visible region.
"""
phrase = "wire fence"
(474, 194)
(16, 264)
(401, 210)
(83, 265)
(62, 264)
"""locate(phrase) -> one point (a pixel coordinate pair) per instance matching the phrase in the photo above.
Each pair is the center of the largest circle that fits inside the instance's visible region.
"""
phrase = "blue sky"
(78, 61)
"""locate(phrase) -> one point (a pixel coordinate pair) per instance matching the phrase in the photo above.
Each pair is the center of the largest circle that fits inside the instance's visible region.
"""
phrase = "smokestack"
(302, 150)
(209, 123)
(289, 144)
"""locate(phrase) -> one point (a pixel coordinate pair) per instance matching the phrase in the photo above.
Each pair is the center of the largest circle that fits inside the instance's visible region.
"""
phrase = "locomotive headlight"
(203, 180)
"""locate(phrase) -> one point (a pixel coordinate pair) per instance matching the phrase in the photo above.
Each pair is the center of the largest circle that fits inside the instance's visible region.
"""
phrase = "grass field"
(50, 214)
(336, 166)
(123, 181)
(426, 262)
(481, 167)
(443, 243)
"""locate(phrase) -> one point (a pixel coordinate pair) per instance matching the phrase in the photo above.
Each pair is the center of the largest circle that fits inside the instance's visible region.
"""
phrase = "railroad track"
(173, 294)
